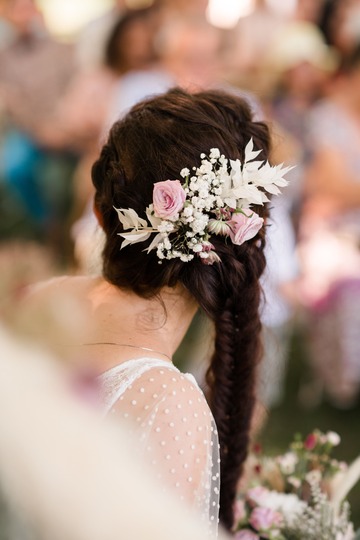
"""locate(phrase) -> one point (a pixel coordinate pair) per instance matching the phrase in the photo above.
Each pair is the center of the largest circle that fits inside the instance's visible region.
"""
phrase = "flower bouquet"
(299, 495)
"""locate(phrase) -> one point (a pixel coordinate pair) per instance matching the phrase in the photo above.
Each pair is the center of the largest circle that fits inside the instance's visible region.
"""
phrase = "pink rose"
(263, 519)
(168, 199)
(246, 534)
(242, 228)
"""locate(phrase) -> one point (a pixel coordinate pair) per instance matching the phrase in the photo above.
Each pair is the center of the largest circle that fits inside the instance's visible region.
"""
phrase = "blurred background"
(70, 68)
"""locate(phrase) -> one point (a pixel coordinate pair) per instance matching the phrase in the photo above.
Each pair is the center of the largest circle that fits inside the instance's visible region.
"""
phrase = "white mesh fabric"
(169, 414)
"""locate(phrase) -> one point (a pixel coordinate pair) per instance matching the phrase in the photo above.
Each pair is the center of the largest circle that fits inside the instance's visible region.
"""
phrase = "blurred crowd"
(299, 68)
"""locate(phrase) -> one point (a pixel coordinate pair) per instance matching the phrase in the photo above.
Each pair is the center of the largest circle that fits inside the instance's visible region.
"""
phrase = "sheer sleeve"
(177, 435)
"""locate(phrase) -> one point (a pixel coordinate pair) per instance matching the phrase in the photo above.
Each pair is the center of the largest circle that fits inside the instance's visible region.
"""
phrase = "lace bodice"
(169, 414)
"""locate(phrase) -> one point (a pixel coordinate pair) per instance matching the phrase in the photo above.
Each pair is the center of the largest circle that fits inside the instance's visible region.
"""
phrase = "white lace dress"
(168, 412)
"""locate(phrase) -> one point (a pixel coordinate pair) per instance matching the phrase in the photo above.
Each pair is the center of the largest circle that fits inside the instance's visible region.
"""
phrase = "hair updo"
(153, 143)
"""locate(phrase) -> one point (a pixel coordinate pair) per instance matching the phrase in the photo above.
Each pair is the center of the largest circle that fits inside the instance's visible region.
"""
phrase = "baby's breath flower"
(188, 211)
(215, 153)
(203, 193)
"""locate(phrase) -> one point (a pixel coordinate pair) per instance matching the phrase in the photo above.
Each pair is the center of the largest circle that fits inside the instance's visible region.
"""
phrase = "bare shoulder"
(66, 284)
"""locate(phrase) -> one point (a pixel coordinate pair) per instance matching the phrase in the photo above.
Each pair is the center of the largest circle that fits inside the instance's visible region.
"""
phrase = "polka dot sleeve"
(169, 414)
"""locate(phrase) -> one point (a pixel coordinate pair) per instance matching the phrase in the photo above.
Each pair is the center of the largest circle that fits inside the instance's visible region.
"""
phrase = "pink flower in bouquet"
(239, 511)
(246, 534)
(264, 519)
(257, 495)
(310, 441)
(243, 228)
(168, 198)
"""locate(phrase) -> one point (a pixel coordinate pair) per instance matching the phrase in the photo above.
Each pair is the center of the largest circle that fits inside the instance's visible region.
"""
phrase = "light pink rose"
(263, 519)
(168, 198)
(246, 534)
(242, 228)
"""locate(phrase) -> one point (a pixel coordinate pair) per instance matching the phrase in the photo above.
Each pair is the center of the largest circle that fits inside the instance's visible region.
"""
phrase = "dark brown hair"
(157, 139)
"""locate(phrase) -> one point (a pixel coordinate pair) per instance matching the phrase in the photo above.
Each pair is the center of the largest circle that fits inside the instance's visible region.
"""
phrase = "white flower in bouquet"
(287, 504)
(333, 438)
(288, 462)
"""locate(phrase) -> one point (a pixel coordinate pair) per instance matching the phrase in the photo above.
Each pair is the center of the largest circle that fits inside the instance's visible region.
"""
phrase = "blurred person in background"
(190, 8)
(132, 56)
(308, 10)
(149, 51)
(98, 96)
(301, 72)
(35, 71)
(91, 43)
(330, 233)
(189, 49)
(340, 23)
(131, 72)
(247, 46)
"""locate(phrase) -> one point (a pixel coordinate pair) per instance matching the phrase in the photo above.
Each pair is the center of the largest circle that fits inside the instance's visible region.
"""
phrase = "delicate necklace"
(126, 345)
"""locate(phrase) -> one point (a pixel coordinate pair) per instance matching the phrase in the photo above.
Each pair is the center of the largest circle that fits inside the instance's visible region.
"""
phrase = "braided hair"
(153, 143)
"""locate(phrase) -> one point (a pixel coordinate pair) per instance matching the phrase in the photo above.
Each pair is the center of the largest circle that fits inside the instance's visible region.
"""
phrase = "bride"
(182, 202)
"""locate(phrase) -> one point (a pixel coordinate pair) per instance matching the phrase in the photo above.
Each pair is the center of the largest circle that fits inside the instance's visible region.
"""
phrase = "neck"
(123, 318)
(111, 343)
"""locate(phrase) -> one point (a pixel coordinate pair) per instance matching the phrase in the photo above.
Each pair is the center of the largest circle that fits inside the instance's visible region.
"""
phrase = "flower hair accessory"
(215, 199)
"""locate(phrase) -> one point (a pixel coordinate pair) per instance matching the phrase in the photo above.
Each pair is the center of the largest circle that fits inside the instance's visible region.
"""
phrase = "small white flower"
(193, 185)
(333, 438)
(215, 153)
(313, 477)
(206, 167)
(185, 172)
(167, 243)
(166, 227)
(296, 482)
(188, 211)
(203, 193)
(287, 462)
(195, 201)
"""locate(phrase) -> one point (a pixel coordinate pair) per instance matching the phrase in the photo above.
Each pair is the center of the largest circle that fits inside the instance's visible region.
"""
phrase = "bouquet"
(299, 495)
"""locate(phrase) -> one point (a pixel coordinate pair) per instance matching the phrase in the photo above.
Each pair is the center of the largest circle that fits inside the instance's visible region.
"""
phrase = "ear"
(98, 215)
